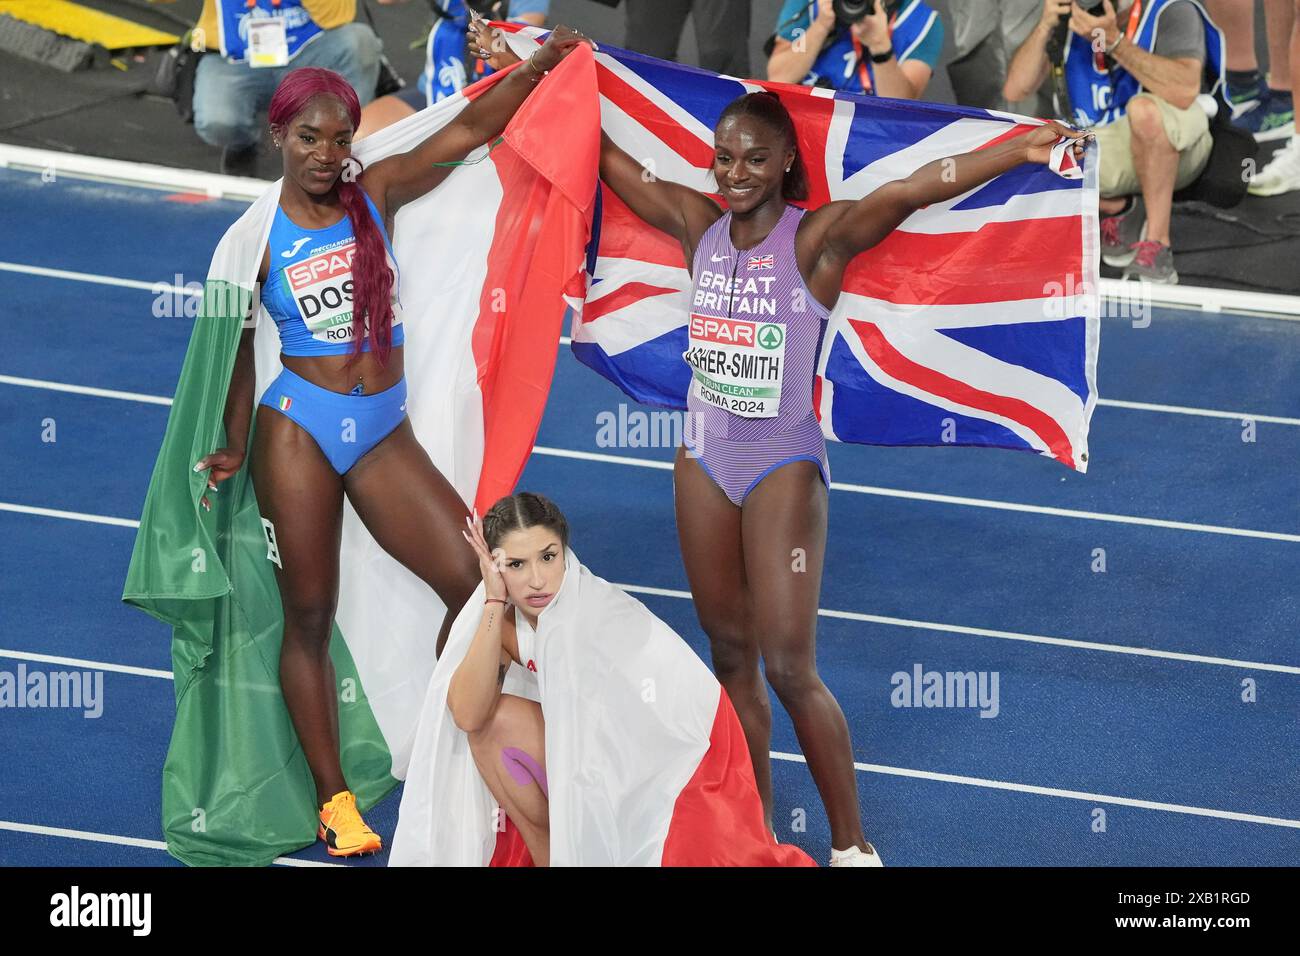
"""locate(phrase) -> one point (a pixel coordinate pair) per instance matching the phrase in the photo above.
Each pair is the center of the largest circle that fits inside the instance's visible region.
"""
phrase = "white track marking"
(93, 837)
(1057, 792)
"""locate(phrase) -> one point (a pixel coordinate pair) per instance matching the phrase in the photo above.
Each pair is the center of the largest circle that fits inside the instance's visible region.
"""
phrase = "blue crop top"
(308, 289)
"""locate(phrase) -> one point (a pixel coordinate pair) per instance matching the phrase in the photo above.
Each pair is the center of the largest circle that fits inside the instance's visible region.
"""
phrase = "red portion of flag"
(718, 817)
(1003, 261)
(542, 227)
(899, 366)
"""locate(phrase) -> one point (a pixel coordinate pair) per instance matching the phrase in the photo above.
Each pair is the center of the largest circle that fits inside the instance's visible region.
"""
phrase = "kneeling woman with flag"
(567, 725)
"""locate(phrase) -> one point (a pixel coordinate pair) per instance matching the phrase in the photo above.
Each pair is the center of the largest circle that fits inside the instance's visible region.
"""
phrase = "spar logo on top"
(321, 285)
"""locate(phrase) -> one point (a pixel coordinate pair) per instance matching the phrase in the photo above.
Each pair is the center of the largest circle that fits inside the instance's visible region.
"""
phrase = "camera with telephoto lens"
(1061, 32)
(489, 9)
(850, 12)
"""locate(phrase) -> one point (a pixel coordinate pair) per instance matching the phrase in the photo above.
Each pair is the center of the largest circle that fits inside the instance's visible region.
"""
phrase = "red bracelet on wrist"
(498, 600)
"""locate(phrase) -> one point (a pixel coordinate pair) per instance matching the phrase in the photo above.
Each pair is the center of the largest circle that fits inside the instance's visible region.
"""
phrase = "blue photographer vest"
(1100, 96)
(445, 66)
(233, 17)
(846, 65)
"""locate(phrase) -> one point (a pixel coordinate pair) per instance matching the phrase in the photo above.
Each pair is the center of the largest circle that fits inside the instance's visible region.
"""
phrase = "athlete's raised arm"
(838, 231)
(678, 210)
(404, 177)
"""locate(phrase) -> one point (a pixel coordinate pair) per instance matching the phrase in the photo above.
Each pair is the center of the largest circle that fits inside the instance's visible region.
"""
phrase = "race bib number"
(268, 44)
(737, 364)
(321, 286)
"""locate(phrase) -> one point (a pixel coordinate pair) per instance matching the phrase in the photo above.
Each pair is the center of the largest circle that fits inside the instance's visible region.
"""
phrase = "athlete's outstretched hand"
(1041, 140)
(487, 563)
(558, 45)
(224, 463)
(488, 44)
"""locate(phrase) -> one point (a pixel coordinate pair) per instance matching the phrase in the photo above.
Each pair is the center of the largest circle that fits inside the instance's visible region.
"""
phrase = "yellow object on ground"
(83, 23)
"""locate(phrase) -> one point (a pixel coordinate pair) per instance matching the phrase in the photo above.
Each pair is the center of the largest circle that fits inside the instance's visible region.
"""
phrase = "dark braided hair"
(767, 107)
(521, 511)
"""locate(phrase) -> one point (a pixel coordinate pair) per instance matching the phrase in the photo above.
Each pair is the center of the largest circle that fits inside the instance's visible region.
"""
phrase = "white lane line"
(564, 340)
(958, 500)
(85, 665)
(85, 390)
(68, 515)
(959, 629)
(1167, 409)
(1065, 794)
(93, 837)
(1202, 412)
(155, 287)
(835, 486)
(1009, 635)
(826, 612)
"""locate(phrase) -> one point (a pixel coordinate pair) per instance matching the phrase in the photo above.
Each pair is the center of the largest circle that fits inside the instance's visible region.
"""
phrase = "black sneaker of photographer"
(1120, 233)
(1153, 262)
(239, 160)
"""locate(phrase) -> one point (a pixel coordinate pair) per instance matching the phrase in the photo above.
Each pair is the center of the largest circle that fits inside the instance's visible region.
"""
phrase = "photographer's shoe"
(1153, 262)
(1120, 233)
(343, 830)
(854, 856)
(1281, 174)
(1273, 117)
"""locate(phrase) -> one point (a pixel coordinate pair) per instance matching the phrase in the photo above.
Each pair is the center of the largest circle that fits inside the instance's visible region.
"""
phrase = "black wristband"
(882, 57)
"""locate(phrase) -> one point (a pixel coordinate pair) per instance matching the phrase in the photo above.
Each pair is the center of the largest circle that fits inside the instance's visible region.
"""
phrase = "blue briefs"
(344, 426)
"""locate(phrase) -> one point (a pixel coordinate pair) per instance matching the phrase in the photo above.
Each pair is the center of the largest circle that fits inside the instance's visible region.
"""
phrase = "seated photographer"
(447, 68)
(1144, 94)
(259, 41)
(882, 47)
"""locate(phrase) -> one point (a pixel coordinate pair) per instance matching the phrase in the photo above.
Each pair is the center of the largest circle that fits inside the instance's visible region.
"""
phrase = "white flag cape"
(645, 759)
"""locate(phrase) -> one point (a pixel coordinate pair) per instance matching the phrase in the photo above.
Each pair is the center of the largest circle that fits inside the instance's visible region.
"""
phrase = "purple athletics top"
(755, 334)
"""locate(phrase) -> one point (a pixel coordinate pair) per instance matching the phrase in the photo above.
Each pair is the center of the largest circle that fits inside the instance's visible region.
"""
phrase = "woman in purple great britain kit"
(751, 477)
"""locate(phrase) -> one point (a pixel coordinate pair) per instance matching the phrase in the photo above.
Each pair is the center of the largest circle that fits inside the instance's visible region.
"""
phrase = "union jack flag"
(760, 262)
(976, 322)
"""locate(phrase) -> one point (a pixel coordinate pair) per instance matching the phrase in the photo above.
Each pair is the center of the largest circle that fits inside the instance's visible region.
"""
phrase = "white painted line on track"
(1010, 635)
(957, 629)
(162, 287)
(68, 515)
(93, 837)
(96, 279)
(1057, 792)
(85, 390)
(84, 664)
(958, 500)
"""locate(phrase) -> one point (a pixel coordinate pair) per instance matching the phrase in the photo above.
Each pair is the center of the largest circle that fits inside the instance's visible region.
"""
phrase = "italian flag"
(646, 760)
(486, 261)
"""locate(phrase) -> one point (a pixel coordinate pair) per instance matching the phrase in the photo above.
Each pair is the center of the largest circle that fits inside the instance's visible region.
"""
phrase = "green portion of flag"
(236, 787)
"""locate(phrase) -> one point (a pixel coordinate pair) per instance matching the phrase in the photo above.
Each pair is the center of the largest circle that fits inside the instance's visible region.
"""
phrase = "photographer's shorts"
(1188, 130)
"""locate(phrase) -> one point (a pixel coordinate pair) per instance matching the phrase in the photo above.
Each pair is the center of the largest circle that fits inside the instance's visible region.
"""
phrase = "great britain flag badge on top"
(760, 262)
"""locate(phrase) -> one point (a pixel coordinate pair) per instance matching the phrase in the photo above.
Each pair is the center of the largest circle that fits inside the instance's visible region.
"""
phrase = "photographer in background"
(654, 27)
(447, 65)
(985, 33)
(259, 41)
(1144, 92)
(881, 47)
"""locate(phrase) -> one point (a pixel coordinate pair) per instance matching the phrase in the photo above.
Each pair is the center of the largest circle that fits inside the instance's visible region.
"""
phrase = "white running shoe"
(856, 857)
(1281, 175)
